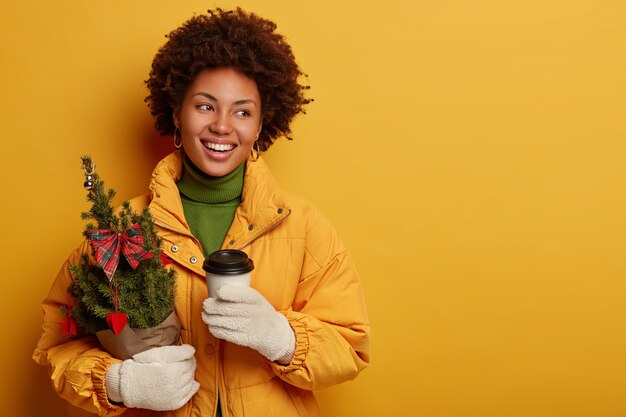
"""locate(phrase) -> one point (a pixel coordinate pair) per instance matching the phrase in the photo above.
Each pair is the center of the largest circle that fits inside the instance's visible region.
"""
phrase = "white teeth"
(221, 147)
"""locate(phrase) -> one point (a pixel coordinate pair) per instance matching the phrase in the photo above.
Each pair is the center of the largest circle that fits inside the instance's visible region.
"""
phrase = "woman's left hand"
(241, 315)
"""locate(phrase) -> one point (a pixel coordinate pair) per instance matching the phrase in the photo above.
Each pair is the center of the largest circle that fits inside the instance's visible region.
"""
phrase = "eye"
(205, 107)
(243, 113)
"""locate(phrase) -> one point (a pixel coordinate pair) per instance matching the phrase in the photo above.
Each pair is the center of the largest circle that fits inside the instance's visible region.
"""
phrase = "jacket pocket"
(275, 399)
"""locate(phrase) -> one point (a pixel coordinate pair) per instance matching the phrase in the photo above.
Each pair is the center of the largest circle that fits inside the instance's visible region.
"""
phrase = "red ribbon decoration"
(107, 246)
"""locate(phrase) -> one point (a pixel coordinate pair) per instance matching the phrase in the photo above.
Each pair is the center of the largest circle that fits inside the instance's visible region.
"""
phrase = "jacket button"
(193, 259)
(209, 349)
(250, 227)
(174, 248)
(231, 242)
(280, 210)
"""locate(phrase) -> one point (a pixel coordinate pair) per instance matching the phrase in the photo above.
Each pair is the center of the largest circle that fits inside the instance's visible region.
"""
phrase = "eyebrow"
(237, 102)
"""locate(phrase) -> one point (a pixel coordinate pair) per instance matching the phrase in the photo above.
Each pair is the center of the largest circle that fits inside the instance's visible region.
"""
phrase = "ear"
(176, 117)
(258, 132)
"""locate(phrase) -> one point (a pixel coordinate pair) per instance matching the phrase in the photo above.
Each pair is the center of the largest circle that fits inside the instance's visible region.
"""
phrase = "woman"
(225, 86)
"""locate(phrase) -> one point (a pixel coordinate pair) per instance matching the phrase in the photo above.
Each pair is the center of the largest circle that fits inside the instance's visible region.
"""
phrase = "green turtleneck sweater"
(209, 203)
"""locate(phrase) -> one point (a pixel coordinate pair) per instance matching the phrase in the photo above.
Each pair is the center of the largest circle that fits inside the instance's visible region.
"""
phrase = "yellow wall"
(470, 153)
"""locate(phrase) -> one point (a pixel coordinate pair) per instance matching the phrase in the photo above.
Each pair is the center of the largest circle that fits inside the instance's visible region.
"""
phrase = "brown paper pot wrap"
(131, 341)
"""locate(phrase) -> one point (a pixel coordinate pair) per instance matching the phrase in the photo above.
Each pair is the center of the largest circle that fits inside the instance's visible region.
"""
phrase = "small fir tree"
(145, 294)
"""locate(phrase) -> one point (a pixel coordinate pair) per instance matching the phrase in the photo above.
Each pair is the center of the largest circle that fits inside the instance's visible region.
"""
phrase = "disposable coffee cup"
(232, 267)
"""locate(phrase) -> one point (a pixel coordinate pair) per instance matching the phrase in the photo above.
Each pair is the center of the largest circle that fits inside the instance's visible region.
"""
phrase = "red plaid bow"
(108, 244)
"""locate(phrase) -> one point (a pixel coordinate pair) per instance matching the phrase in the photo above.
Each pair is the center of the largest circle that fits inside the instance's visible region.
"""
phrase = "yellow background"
(470, 153)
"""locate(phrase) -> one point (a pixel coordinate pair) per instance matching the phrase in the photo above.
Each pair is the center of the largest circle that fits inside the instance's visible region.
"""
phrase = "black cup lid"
(228, 262)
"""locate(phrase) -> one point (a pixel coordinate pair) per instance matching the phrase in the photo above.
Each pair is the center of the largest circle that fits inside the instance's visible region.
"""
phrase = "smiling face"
(219, 120)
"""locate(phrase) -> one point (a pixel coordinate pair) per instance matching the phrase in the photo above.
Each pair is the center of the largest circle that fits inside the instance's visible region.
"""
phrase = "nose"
(220, 124)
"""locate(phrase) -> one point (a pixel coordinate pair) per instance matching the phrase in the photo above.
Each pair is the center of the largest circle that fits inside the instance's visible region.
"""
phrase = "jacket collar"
(262, 206)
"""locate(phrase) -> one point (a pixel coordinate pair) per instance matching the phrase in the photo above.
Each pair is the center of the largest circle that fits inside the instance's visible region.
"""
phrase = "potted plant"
(121, 291)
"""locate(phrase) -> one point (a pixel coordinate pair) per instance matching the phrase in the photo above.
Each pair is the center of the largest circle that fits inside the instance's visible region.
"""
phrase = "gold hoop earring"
(177, 144)
(255, 149)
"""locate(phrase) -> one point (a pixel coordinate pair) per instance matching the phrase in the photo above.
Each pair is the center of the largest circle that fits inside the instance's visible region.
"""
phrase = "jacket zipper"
(221, 398)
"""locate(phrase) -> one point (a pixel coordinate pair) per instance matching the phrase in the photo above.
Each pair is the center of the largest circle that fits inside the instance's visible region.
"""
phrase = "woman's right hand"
(160, 378)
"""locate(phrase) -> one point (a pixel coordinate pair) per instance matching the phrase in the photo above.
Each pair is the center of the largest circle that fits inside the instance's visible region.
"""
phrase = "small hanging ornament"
(88, 184)
(68, 325)
(116, 321)
(89, 170)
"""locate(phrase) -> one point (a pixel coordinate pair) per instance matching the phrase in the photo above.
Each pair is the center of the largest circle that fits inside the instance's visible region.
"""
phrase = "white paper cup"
(215, 281)
(232, 267)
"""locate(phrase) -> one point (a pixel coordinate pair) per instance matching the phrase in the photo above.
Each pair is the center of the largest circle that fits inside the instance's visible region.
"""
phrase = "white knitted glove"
(241, 315)
(160, 378)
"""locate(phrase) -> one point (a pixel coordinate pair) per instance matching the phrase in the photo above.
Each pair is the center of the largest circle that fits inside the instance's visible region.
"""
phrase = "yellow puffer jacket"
(302, 269)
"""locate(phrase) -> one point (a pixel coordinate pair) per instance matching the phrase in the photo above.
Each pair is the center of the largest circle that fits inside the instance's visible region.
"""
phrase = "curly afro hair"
(236, 39)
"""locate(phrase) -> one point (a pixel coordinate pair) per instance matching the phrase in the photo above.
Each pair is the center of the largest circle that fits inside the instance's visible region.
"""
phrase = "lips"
(218, 147)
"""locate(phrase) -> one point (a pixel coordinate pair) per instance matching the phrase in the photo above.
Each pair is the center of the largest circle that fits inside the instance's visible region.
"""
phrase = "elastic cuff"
(98, 377)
